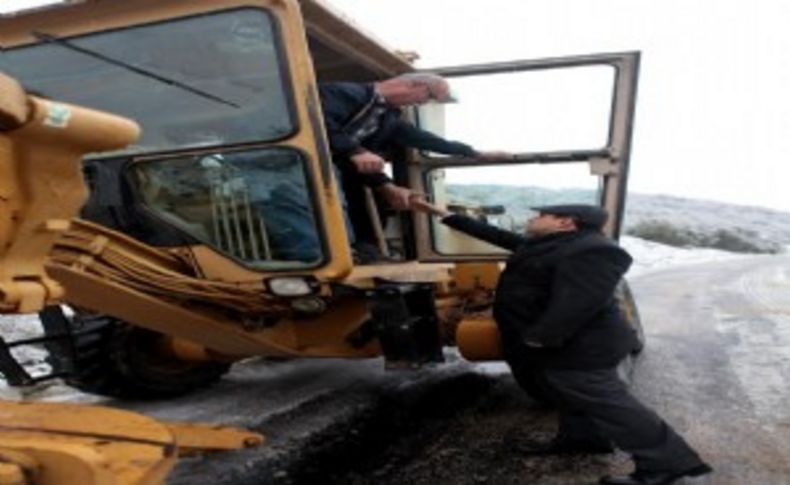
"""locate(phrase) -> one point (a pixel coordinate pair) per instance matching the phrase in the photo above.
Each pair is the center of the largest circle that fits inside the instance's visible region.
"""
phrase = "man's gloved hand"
(367, 162)
(399, 198)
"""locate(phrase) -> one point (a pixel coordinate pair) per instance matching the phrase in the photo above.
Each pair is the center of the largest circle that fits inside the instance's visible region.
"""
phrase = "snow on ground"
(19, 327)
(648, 257)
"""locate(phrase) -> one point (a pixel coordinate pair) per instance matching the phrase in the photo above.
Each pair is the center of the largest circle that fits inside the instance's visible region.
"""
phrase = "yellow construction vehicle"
(177, 240)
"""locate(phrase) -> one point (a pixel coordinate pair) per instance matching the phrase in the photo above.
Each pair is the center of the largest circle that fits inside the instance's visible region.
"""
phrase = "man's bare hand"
(399, 198)
(494, 156)
(368, 162)
(420, 204)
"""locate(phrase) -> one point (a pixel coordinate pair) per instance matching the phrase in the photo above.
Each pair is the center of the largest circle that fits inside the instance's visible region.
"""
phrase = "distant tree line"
(519, 200)
(734, 240)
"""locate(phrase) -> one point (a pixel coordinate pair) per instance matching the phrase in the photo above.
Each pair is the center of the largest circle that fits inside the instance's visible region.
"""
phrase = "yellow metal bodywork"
(114, 274)
(195, 293)
(46, 443)
(478, 338)
(193, 437)
(470, 277)
(42, 187)
(108, 14)
(108, 272)
(59, 444)
(209, 306)
(477, 335)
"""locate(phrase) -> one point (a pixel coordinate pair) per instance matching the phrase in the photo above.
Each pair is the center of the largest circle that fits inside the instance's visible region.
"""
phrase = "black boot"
(656, 478)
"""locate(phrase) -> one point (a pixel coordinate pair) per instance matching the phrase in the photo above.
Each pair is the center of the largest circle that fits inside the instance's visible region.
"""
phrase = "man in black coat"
(365, 127)
(562, 331)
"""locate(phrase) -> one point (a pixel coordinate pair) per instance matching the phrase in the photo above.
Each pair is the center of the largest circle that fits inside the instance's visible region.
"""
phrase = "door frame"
(610, 163)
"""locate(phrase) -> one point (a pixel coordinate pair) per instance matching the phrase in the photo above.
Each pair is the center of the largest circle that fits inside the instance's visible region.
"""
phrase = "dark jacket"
(558, 291)
(347, 106)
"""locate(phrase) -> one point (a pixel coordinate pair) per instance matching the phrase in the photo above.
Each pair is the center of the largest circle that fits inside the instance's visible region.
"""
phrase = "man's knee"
(587, 386)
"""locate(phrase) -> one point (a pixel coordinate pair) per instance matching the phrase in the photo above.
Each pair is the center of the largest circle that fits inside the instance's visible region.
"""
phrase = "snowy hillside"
(763, 227)
(771, 225)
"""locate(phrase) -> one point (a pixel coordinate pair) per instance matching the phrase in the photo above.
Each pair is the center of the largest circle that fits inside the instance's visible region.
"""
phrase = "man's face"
(544, 224)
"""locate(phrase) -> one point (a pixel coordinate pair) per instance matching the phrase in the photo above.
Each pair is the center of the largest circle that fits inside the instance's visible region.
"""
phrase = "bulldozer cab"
(233, 163)
(221, 228)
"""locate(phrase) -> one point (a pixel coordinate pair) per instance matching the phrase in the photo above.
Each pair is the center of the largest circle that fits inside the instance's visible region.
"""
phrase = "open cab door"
(568, 121)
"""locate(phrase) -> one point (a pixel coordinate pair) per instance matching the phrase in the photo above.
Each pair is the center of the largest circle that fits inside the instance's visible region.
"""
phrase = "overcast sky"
(713, 112)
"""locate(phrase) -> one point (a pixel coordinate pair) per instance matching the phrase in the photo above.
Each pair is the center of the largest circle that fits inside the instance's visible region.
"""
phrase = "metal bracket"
(604, 166)
(195, 437)
(406, 323)
(93, 445)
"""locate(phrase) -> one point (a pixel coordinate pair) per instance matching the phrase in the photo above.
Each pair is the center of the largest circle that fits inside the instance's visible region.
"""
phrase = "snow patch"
(21, 327)
(651, 256)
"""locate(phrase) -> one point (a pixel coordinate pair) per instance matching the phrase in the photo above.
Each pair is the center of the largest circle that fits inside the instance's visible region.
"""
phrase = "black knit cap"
(591, 216)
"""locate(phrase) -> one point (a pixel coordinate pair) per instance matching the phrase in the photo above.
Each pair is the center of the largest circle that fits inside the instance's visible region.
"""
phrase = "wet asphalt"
(717, 365)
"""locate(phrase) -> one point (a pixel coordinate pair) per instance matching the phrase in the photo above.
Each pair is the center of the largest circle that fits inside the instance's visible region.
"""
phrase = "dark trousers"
(596, 408)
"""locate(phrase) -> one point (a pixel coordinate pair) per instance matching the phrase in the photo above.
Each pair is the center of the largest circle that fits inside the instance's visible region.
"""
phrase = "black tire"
(625, 299)
(103, 355)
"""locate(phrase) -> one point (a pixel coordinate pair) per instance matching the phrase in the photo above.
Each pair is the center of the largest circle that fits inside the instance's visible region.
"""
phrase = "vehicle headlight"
(290, 286)
(309, 304)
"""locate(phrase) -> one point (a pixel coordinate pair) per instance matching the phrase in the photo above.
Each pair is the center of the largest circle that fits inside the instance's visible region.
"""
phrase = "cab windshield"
(204, 84)
(251, 205)
(213, 79)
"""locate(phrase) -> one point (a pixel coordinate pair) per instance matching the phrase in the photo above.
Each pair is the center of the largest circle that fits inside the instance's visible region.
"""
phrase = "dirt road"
(718, 365)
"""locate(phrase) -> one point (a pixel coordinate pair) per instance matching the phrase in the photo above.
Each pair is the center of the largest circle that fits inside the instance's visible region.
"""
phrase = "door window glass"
(503, 195)
(527, 111)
